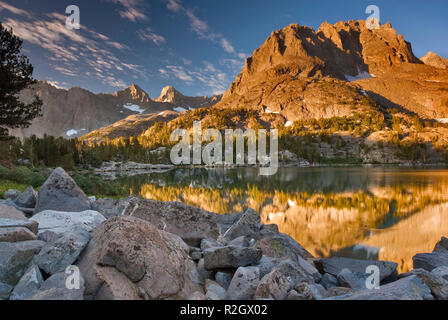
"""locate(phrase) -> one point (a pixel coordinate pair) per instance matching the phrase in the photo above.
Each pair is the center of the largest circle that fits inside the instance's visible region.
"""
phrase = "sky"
(197, 46)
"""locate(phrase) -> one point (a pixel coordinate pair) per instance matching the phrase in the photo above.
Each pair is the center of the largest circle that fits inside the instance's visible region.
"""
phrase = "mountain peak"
(434, 60)
(169, 94)
(133, 93)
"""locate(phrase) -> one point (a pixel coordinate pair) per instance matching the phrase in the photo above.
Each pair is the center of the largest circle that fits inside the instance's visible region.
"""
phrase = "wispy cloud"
(199, 26)
(208, 75)
(148, 35)
(131, 9)
(14, 10)
(74, 53)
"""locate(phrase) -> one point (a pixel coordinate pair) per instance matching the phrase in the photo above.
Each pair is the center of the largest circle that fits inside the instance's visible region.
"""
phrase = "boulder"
(55, 288)
(230, 257)
(442, 246)
(62, 251)
(246, 226)
(309, 291)
(430, 261)
(27, 199)
(339, 292)
(223, 278)
(15, 259)
(214, 291)
(437, 284)
(190, 223)
(353, 280)
(11, 194)
(110, 207)
(209, 243)
(28, 285)
(294, 273)
(278, 245)
(441, 272)
(409, 288)
(204, 274)
(16, 234)
(11, 217)
(328, 281)
(151, 260)
(334, 266)
(60, 193)
(5, 291)
(267, 264)
(309, 269)
(274, 285)
(64, 222)
(244, 284)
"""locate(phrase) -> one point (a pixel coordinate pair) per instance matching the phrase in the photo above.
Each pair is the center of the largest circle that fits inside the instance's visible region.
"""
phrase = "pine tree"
(15, 75)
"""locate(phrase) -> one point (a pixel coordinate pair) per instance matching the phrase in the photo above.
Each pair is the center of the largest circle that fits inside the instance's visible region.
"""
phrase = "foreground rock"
(244, 284)
(61, 193)
(15, 259)
(65, 222)
(430, 261)
(409, 288)
(334, 266)
(11, 217)
(230, 257)
(128, 258)
(62, 251)
(27, 199)
(55, 288)
(191, 224)
(28, 285)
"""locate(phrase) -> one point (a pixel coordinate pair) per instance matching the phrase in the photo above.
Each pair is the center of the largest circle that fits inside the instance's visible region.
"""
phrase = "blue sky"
(198, 46)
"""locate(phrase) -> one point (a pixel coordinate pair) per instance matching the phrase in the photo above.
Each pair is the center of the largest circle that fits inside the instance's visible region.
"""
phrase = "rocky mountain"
(171, 95)
(75, 112)
(434, 60)
(301, 73)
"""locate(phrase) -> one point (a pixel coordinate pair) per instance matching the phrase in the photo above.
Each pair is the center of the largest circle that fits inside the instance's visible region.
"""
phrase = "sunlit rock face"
(365, 214)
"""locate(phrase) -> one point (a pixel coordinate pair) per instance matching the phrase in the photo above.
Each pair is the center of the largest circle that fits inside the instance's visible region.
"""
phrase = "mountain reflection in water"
(367, 213)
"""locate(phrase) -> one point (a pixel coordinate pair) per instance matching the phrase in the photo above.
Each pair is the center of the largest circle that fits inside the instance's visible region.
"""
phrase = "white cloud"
(227, 46)
(148, 35)
(14, 10)
(71, 52)
(131, 9)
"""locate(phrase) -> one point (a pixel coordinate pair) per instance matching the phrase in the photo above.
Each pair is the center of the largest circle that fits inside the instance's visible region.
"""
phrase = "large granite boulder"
(62, 251)
(11, 217)
(244, 284)
(230, 257)
(437, 284)
(334, 266)
(28, 285)
(247, 225)
(273, 286)
(409, 288)
(190, 223)
(61, 193)
(129, 258)
(55, 288)
(27, 199)
(64, 222)
(430, 261)
(15, 259)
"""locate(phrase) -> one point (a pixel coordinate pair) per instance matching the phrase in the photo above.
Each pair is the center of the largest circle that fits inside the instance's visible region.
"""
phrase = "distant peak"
(134, 93)
(169, 94)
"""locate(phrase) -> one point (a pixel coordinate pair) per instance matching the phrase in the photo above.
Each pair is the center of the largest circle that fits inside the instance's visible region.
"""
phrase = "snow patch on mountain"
(73, 132)
(360, 76)
(134, 108)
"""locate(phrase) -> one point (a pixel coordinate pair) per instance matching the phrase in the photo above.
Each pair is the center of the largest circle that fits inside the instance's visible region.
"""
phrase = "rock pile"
(135, 249)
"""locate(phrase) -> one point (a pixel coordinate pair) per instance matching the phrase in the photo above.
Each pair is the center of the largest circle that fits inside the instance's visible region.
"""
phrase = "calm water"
(368, 213)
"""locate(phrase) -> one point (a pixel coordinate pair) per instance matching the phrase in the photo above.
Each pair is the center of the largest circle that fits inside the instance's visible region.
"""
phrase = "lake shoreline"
(200, 255)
